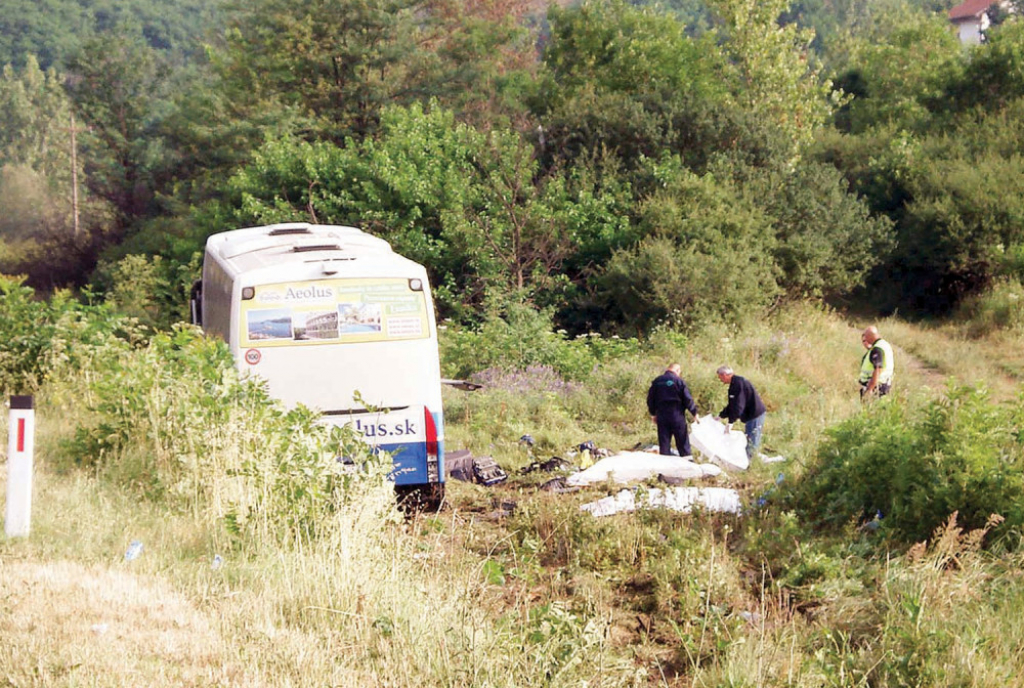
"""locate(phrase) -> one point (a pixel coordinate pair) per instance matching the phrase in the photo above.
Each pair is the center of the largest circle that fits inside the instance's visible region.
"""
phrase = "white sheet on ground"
(676, 498)
(635, 466)
(708, 436)
(772, 459)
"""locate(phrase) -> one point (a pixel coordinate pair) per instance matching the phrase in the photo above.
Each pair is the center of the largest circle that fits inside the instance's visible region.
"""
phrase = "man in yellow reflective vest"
(877, 366)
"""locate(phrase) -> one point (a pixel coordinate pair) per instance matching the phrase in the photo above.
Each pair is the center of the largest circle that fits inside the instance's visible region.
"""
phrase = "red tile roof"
(969, 8)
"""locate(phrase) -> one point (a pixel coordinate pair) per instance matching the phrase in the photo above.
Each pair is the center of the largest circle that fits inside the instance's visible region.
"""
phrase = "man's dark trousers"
(672, 423)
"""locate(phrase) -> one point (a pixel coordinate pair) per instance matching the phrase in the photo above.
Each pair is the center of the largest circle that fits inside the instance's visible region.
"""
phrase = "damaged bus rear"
(332, 318)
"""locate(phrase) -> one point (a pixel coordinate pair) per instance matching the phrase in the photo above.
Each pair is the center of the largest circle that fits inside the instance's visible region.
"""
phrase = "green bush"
(914, 467)
(522, 337)
(173, 421)
(706, 257)
(43, 338)
(152, 290)
(998, 308)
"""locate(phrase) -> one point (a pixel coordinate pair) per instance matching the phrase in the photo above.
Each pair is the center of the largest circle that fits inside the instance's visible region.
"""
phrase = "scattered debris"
(751, 618)
(464, 385)
(771, 459)
(874, 524)
(458, 465)
(672, 479)
(636, 466)
(558, 486)
(555, 463)
(763, 499)
(502, 509)
(133, 551)
(218, 561)
(487, 472)
(527, 440)
(682, 499)
(462, 465)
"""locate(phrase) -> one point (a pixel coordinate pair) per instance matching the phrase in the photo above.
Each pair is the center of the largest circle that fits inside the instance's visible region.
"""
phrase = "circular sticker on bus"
(252, 356)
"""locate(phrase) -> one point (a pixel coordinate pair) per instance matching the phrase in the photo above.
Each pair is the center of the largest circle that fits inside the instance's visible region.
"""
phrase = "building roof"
(969, 9)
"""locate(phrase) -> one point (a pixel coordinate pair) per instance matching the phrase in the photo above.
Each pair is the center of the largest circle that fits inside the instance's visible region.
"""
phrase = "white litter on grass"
(772, 459)
(709, 437)
(677, 499)
(636, 466)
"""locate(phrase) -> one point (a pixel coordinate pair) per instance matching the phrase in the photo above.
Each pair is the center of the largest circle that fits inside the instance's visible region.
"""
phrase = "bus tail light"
(433, 460)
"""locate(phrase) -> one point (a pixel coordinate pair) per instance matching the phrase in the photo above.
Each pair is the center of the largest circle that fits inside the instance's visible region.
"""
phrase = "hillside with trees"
(596, 189)
(578, 162)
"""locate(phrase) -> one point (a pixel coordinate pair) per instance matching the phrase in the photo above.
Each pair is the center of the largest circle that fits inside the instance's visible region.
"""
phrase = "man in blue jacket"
(667, 401)
(745, 405)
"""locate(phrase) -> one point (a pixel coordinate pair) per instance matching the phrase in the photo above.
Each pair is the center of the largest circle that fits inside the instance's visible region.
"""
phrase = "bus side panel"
(218, 299)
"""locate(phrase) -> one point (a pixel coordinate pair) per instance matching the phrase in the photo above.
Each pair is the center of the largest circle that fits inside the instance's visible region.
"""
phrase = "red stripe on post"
(21, 434)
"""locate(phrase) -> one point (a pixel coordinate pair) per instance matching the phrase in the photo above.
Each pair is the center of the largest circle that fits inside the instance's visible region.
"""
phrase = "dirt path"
(931, 357)
(927, 374)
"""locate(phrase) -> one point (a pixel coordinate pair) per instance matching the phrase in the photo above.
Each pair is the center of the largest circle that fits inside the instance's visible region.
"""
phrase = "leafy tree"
(611, 46)
(966, 211)
(994, 75)
(342, 61)
(54, 30)
(48, 30)
(952, 195)
(616, 79)
(827, 241)
(901, 80)
(705, 256)
(116, 84)
(837, 22)
(693, 14)
(37, 225)
(35, 152)
(777, 78)
(470, 205)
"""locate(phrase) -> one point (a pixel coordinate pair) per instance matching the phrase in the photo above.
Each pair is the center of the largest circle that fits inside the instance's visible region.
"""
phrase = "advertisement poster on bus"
(333, 312)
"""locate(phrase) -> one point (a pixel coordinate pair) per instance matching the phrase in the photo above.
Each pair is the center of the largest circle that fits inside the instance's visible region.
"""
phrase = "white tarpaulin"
(676, 498)
(709, 437)
(636, 466)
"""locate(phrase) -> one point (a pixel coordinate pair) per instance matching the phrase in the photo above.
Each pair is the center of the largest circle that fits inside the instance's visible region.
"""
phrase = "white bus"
(332, 318)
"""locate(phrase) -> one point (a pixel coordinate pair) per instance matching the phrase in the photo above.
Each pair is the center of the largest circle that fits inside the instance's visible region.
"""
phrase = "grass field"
(512, 585)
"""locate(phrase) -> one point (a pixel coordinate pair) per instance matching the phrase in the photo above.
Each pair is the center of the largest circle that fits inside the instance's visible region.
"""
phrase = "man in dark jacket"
(745, 405)
(667, 400)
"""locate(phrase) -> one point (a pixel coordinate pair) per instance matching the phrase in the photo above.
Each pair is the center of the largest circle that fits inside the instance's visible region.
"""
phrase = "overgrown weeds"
(910, 465)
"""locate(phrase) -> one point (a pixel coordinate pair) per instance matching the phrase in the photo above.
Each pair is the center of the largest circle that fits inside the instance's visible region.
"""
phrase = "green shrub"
(43, 338)
(999, 308)
(522, 337)
(705, 257)
(173, 421)
(153, 290)
(914, 467)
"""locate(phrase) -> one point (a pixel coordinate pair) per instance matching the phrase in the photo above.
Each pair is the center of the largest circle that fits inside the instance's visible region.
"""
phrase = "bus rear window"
(334, 311)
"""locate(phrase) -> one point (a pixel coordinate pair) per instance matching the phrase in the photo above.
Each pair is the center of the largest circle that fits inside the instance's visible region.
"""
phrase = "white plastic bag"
(630, 467)
(708, 436)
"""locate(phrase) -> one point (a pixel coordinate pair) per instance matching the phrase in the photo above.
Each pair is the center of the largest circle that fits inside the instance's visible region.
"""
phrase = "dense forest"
(602, 166)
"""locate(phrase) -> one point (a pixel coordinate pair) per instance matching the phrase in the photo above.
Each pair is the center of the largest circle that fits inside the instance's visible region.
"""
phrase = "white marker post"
(22, 428)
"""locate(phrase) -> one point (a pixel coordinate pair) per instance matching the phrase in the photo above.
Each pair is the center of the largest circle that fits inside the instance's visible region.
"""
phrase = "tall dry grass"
(464, 598)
